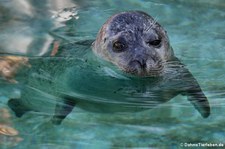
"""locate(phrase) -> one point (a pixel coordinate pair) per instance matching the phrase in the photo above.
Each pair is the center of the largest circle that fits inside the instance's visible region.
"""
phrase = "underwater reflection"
(27, 25)
(10, 65)
(9, 136)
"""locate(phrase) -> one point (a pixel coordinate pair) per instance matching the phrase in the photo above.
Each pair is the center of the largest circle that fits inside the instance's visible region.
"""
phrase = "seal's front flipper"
(195, 95)
(18, 107)
(62, 110)
(199, 100)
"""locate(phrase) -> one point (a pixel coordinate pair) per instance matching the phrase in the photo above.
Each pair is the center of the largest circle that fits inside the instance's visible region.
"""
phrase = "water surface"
(34, 29)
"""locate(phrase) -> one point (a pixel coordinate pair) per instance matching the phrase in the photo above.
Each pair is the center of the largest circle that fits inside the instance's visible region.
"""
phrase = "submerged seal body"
(139, 46)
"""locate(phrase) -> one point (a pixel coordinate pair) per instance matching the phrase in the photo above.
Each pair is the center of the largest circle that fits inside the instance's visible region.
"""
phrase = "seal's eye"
(118, 46)
(155, 43)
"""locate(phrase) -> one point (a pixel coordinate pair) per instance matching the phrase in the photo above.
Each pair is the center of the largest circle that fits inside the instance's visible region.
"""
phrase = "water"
(35, 29)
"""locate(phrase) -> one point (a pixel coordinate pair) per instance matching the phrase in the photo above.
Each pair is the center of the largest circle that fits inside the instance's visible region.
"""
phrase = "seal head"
(134, 42)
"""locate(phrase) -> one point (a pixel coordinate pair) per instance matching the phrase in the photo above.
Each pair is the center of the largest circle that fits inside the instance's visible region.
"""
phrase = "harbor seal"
(149, 72)
(139, 45)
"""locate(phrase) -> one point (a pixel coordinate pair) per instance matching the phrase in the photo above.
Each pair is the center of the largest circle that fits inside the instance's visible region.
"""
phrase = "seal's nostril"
(143, 64)
(140, 63)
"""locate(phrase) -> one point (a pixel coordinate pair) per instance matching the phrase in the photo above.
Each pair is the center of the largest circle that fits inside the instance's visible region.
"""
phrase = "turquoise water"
(34, 29)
